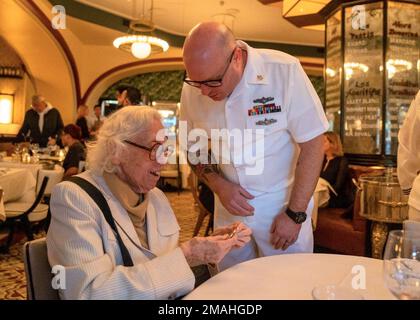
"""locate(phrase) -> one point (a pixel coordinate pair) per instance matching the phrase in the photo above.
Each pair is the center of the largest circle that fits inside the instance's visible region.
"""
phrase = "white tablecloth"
(292, 277)
(37, 171)
(32, 167)
(16, 183)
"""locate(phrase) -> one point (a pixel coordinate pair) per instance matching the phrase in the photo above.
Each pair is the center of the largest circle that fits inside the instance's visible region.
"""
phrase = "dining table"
(16, 184)
(9, 162)
(298, 276)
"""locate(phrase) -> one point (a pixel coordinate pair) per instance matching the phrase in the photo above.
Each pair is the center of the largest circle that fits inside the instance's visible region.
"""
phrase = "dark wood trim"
(306, 20)
(312, 65)
(122, 67)
(37, 12)
(265, 2)
(384, 76)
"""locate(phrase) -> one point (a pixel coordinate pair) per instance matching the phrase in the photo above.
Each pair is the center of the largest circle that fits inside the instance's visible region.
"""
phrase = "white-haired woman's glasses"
(159, 152)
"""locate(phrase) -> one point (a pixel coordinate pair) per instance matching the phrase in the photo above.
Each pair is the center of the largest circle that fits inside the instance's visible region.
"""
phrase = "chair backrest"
(55, 176)
(38, 271)
(82, 166)
(2, 212)
(39, 196)
(193, 181)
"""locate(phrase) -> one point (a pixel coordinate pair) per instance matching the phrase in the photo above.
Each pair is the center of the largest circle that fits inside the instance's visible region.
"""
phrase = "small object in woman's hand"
(230, 235)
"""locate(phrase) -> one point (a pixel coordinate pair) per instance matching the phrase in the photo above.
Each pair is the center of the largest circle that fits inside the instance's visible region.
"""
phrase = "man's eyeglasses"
(210, 83)
(159, 152)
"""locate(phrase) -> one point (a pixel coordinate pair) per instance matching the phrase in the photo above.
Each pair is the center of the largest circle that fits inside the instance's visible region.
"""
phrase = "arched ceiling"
(42, 55)
(252, 20)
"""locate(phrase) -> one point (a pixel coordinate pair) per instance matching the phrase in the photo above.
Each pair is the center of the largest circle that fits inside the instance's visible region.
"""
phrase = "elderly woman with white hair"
(114, 232)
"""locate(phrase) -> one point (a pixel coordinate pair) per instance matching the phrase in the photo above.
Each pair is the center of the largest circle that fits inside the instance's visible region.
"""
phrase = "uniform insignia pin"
(265, 122)
(260, 77)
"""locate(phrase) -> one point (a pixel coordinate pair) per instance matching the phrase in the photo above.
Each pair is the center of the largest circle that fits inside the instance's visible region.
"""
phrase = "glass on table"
(401, 265)
(342, 290)
(34, 147)
(335, 292)
(17, 152)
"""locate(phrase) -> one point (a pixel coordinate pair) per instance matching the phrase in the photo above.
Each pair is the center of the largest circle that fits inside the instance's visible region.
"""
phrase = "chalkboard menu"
(333, 72)
(403, 29)
(363, 79)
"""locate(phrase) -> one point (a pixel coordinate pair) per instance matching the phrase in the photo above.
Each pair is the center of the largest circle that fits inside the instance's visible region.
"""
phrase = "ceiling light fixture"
(140, 41)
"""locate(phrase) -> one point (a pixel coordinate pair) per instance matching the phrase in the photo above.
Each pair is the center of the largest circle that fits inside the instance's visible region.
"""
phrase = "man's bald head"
(208, 41)
(211, 55)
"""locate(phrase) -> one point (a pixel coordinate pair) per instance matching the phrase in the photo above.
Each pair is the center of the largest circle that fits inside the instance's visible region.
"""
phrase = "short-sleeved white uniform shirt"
(273, 108)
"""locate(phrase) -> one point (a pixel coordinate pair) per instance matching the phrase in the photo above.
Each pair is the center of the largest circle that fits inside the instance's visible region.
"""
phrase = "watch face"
(300, 217)
(297, 217)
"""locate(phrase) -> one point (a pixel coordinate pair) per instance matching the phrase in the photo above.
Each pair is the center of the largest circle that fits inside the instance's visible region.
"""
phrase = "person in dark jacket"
(76, 153)
(335, 170)
(81, 122)
(42, 124)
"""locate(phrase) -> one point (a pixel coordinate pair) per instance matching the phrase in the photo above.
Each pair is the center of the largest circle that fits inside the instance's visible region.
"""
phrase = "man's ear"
(124, 95)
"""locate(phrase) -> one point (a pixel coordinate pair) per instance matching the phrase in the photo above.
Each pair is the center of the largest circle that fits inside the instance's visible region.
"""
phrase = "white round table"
(293, 277)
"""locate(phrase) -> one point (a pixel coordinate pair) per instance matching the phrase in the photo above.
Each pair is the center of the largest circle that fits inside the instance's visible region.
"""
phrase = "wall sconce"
(6, 108)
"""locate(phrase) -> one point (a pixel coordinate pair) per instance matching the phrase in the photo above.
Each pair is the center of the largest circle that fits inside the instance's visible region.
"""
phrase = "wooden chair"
(3, 230)
(202, 211)
(26, 213)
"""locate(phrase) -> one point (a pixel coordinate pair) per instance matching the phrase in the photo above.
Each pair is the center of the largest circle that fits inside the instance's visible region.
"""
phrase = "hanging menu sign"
(363, 80)
(401, 66)
(332, 72)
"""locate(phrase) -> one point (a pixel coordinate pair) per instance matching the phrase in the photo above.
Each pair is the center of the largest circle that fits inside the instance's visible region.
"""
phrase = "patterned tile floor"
(12, 276)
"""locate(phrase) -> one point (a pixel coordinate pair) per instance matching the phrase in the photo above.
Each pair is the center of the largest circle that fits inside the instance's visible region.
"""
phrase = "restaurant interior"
(361, 57)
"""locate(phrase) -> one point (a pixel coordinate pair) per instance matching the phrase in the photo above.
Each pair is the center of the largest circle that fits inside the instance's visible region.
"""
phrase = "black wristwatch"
(297, 217)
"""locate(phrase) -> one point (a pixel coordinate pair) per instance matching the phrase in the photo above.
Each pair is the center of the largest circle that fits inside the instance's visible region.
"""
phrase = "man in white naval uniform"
(229, 85)
(409, 158)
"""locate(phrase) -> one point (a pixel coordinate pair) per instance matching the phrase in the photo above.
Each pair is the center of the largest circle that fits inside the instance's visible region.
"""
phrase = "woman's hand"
(204, 250)
(236, 229)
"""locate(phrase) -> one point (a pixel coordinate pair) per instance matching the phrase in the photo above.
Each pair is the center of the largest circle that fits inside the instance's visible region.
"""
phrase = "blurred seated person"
(76, 152)
(81, 122)
(95, 121)
(124, 165)
(409, 158)
(128, 96)
(42, 124)
(335, 170)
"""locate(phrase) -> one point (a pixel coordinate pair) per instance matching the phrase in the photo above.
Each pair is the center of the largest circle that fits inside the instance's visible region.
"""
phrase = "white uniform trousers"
(267, 206)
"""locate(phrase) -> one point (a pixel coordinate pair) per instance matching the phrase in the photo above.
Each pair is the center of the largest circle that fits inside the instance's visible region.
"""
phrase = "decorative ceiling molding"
(94, 15)
(31, 6)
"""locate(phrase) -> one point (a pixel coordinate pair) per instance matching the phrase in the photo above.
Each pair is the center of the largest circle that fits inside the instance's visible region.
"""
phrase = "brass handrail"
(393, 204)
